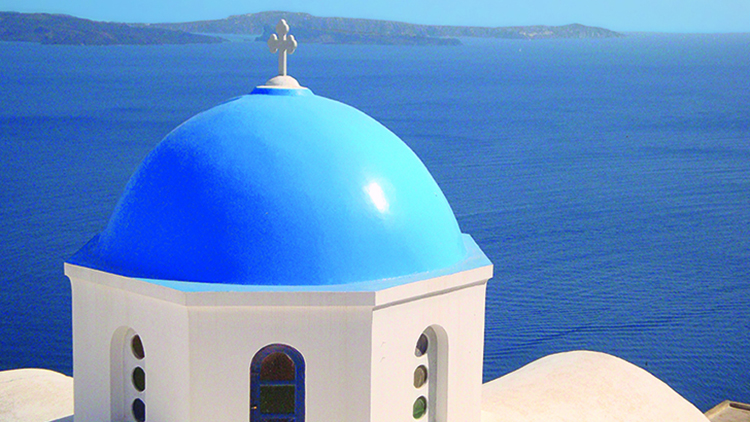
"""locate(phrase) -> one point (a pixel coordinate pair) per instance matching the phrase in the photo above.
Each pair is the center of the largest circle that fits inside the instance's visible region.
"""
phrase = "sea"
(607, 180)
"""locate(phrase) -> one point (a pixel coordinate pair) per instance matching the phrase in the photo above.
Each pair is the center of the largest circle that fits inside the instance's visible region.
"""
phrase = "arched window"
(277, 385)
(127, 376)
(431, 375)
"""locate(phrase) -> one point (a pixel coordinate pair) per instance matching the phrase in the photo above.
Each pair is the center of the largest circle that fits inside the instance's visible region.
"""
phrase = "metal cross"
(282, 43)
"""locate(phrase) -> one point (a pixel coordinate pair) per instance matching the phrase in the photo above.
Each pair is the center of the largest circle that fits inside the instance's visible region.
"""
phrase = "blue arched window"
(277, 385)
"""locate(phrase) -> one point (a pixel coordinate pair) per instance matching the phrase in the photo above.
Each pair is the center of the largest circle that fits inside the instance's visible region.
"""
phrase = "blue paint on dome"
(280, 187)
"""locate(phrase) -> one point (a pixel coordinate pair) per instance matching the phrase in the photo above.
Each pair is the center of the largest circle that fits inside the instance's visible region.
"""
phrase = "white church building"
(280, 257)
(283, 257)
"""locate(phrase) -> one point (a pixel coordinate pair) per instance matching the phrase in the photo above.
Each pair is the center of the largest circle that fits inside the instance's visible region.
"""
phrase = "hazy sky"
(620, 15)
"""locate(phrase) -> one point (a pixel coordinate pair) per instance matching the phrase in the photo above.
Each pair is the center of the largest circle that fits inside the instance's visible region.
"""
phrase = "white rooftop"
(583, 386)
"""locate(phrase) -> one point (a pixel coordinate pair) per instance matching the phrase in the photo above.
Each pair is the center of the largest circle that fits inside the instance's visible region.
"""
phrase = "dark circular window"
(139, 410)
(137, 347)
(422, 344)
(420, 376)
(420, 407)
(139, 378)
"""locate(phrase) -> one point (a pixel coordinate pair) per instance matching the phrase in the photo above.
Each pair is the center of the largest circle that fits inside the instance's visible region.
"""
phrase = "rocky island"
(314, 29)
(62, 29)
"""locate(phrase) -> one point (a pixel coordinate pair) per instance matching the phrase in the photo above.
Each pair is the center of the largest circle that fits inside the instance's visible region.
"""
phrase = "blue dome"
(279, 187)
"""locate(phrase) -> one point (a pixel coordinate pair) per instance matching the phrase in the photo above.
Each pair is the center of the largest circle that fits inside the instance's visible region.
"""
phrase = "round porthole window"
(422, 344)
(420, 407)
(139, 378)
(136, 345)
(139, 410)
(420, 376)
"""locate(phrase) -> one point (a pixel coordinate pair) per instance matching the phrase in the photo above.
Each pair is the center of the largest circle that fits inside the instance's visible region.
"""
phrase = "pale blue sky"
(620, 15)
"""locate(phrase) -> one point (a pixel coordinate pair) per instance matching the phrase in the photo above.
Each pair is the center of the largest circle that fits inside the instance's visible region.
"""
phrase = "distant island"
(314, 29)
(62, 29)
(45, 28)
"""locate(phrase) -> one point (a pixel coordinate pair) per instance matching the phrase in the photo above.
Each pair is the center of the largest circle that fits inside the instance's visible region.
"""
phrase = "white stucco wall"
(334, 341)
(358, 346)
(98, 311)
(396, 329)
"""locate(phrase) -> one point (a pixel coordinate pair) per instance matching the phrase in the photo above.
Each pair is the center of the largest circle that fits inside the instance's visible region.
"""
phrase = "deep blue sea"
(607, 180)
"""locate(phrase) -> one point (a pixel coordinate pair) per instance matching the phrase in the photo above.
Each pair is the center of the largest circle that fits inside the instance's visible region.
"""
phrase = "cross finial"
(283, 43)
